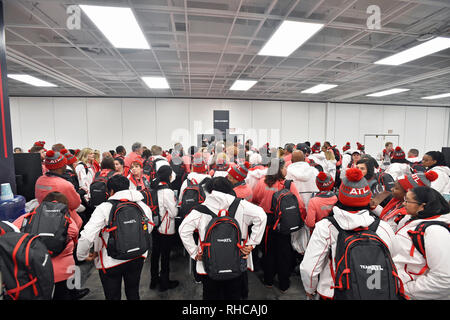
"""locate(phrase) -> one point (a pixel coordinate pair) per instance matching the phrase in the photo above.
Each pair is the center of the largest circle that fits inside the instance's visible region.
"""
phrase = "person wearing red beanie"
(236, 175)
(346, 147)
(395, 210)
(54, 180)
(323, 202)
(350, 212)
(399, 165)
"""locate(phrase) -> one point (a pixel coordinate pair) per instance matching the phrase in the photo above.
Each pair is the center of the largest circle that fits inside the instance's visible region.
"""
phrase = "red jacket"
(262, 195)
(319, 207)
(243, 191)
(50, 183)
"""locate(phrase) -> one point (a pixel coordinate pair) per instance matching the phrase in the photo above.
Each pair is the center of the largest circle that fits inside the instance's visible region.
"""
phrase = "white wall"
(104, 123)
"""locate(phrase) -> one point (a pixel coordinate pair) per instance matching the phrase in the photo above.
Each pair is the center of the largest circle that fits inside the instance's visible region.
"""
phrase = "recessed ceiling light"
(387, 92)
(243, 85)
(438, 96)
(119, 25)
(288, 37)
(419, 51)
(156, 82)
(319, 88)
(31, 80)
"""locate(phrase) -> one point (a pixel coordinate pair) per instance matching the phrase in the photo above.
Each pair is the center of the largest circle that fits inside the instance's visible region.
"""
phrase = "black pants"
(62, 292)
(162, 245)
(222, 290)
(130, 272)
(277, 258)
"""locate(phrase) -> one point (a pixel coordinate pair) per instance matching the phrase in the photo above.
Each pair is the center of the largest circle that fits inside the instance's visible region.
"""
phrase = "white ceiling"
(203, 46)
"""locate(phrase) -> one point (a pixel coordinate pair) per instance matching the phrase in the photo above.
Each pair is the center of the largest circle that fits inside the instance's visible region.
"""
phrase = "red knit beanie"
(398, 153)
(354, 190)
(239, 172)
(411, 181)
(360, 146)
(69, 157)
(316, 147)
(199, 164)
(324, 181)
(346, 147)
(54, 160)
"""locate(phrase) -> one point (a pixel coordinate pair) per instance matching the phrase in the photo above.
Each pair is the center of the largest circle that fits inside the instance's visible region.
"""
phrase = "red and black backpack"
(98, 188)
(417, 236)
(364, 269)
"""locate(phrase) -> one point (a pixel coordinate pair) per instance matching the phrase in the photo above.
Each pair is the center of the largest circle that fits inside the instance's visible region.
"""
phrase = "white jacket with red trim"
(167, 211)
(99, 219)
(246, 214)
(442, 183)
(315, 268)
(421, 282)
(304, 177)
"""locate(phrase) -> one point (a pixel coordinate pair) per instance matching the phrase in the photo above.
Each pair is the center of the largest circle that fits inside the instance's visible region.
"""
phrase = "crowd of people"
(183, 194)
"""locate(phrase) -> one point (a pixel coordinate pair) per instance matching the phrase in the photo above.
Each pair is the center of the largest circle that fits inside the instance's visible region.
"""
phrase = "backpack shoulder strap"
(233, 207)
(287, 184)
(417, 236)
(374, 225)
(334, 223)
(204, 209)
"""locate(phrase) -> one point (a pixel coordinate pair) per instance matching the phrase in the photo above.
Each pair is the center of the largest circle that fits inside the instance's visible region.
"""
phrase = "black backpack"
(286, 211)
(26, 267)
(221, 245)
(417, 236)
(416, 167)
(50, 220)
(5, 227)
(128, 231)
(151, 200)
(361, 257)
(180, 173)
(150, 167)
(192, 196)
(98, 188)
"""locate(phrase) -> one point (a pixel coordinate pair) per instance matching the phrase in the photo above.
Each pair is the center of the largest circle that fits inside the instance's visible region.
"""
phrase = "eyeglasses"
(406, 201)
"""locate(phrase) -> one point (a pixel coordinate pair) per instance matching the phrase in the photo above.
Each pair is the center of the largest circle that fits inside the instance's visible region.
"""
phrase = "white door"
(374, 144)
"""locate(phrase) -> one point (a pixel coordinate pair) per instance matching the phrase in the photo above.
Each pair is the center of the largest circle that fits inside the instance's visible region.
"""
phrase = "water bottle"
(11, 207)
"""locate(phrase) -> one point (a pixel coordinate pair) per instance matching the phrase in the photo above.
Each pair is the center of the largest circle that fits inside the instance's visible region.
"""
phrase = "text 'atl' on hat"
(354, 190)
(54, 160)
(411, 181)
(324, 181)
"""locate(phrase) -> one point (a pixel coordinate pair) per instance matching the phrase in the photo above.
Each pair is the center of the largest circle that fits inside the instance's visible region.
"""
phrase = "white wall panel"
(267, 122)
(70, 122)
(138, 122)
(415, 129)
(104, 123)
(346, 125)
(394, 119)
(37, 121)
(317, 122)
(172, 122)
(294, 122)
(436, 126)
(16, 128)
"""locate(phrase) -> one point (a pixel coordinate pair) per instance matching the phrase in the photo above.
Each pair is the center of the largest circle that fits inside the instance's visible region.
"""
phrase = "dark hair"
(120, 160)
(289, 147)
(108, 163)
(414, 152)
(112, 152)
(56, 196)
(36, 149)
(371, 160)
(220, 184)
(146, 153)
(118, 183)
(272, 177)
(370, 168)
(162, 175)
(308, 143)
(438, 157)
(120, 149)
(435, 203)
(58, 147)
(399, 160)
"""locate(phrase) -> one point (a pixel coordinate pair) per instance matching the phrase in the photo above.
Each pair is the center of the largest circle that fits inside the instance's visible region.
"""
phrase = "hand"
(246, 250)
(92, 256)
(198, 257)
(310, 296)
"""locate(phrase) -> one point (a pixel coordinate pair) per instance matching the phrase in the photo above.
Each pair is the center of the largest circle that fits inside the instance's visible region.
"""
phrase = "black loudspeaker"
(28, 169)
(446, 152)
